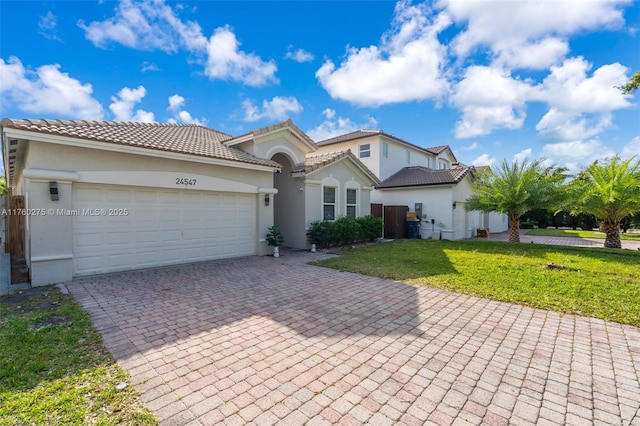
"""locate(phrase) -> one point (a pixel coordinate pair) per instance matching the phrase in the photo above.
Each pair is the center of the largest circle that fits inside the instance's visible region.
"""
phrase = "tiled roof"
(180, 138)
(272, 128)
(437, 149)
(314, 162)
(360, 134)
(423, 176)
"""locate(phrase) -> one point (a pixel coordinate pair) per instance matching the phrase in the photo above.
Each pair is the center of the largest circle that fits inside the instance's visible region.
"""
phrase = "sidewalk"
(558, 241)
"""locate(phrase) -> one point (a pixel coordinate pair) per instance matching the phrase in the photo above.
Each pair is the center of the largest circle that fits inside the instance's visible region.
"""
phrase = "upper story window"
(352, 202)
(443, 164)
(408, 157)
(365, 150)
(329, 203)
(385, 150)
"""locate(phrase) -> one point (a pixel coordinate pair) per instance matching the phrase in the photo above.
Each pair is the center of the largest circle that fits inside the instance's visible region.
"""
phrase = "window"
(385, 150)
(365, 150)
(444, 164)
(408, 157)
(352, 202)
(329, 203)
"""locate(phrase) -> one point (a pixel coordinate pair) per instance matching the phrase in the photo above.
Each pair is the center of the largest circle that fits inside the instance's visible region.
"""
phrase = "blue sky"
(493, 79)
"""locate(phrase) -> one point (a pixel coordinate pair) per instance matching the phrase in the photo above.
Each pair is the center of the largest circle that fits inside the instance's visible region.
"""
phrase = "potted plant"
(314, 235)
(275, 239)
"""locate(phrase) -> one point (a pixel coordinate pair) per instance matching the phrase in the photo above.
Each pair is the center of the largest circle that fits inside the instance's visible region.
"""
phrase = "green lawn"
(579, 234)
(592, 282)
(54, 368)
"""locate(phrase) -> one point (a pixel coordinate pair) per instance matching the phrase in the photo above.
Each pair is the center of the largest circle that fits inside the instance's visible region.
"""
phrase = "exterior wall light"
(266, 200)
(53, 191)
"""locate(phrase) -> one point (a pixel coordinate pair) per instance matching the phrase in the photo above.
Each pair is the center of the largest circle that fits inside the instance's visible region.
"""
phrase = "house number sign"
(185, 182)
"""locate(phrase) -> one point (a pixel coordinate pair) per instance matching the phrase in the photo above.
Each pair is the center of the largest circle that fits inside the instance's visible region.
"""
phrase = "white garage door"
(160, 227)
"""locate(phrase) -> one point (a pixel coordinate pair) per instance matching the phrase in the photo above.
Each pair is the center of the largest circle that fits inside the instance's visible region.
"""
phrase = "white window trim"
(367, 151)
(335, 202)
(347, 204)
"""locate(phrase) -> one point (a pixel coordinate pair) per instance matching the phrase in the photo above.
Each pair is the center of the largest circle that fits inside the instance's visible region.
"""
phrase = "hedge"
(343, 231)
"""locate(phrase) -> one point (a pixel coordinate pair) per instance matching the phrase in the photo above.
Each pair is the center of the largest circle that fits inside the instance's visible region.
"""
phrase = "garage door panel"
(163, 227)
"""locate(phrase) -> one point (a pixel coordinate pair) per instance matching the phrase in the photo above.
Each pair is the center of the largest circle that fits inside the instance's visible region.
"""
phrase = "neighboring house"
(411, 174)
(112, 196)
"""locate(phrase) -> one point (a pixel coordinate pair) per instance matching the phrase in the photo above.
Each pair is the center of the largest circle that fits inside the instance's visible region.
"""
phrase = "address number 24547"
(185, 182)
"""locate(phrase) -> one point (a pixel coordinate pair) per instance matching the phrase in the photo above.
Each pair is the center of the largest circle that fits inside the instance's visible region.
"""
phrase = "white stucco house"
(112, 196)
(412, 175)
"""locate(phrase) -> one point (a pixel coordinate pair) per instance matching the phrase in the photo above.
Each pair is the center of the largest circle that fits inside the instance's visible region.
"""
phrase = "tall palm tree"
(516, 189)
(610, 190)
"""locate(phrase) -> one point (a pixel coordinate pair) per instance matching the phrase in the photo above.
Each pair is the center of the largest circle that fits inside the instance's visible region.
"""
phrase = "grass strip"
(54, 368)
(597, 283)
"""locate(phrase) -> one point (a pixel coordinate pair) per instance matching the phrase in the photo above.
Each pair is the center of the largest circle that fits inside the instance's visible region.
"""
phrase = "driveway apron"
(263, 340)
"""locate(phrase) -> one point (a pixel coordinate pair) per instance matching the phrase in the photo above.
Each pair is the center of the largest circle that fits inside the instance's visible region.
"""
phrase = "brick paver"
(276, 341)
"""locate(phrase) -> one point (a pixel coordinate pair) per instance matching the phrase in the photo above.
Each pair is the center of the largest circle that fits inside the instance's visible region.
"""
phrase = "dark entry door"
(395, 218)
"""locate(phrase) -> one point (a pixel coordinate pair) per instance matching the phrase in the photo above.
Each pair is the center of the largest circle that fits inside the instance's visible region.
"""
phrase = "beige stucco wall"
(50, 237)
(341, 175)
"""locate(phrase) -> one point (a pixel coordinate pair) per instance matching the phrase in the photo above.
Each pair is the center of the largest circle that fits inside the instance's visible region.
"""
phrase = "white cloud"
(48, 26)
(278, 108)
(575, 154)
(122, 105)
(471, 147)
(489, 98)
(225, 61)
(176, 104)
(632, 148)
(299, 55)
(484, 160)
(580, 106)
(536, 55)
(153, 25)
(572, 126)
(522, 155)
(536, 28)
(335, 125)
(406, 66)
(145, 25)
(47, 90)
(149, 66)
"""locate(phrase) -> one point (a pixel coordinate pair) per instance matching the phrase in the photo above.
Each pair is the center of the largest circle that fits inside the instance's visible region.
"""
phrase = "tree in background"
(610, 190)
(516, 189)
(632, 85)
(4, 189)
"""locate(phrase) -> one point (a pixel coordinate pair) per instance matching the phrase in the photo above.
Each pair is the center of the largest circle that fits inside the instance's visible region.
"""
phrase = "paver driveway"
(264, 341)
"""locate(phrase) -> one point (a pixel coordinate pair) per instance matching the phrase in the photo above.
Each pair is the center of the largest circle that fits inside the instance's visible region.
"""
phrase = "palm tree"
(610, 190)
(516, 189)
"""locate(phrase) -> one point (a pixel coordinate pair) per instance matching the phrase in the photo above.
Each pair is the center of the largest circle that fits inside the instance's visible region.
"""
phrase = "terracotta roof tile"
(314, 162)
(180, 138)
(423, 176)
(360, 134)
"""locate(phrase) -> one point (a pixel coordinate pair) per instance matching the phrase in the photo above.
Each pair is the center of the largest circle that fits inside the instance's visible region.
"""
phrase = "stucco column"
(265, 218)
(49, 238)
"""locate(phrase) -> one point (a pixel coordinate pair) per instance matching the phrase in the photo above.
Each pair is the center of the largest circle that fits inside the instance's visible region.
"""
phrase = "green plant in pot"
(315, 235)
(275, 239)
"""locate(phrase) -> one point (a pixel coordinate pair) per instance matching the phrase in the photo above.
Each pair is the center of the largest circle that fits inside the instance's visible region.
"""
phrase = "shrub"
(370, 227)
(345, 230)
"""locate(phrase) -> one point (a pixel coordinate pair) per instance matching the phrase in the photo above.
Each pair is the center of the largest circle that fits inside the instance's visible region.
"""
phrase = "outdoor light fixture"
(266, 200)
(53, 191)
(454, 204)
